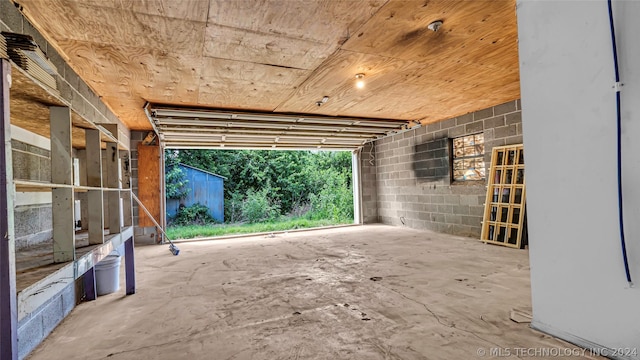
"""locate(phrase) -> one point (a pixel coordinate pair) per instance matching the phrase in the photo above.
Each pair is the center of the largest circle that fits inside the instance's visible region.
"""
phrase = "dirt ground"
(365, 292)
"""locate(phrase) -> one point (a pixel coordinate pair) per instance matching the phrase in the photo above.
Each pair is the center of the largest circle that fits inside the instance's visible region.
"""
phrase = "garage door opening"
(214, 192)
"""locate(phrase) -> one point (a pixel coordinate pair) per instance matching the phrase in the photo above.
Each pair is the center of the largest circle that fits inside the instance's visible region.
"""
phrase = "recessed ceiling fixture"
(360, 80)
(435, 26)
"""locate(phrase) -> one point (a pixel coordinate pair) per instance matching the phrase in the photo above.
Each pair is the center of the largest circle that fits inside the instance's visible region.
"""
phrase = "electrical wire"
(619, 145)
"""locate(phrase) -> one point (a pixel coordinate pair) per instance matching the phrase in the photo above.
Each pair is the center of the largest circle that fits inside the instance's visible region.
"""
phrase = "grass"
(195, 231)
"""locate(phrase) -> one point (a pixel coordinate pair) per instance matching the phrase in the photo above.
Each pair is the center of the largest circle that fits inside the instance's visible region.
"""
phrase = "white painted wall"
(579, 289)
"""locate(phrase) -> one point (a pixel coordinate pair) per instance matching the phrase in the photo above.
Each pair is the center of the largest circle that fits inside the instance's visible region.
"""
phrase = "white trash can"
(108, 275)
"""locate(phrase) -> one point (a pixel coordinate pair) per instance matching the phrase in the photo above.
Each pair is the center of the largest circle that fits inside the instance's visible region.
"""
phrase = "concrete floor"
(310, 295)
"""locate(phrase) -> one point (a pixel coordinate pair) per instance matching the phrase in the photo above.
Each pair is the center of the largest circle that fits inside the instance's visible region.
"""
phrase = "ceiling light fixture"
(435, 26)
(323, 101)
(360, 80)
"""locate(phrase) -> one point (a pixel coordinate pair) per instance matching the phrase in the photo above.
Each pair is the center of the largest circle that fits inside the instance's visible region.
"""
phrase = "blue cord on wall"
(619, 133)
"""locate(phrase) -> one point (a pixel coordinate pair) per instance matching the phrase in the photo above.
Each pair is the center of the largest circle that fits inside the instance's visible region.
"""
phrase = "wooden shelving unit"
(103, 190)
(504, 212)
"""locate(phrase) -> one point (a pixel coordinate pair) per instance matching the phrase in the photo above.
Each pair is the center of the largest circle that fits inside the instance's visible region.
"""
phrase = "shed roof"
(204, 171)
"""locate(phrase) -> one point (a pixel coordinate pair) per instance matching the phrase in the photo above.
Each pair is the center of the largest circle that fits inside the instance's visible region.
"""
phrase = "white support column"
(357, 188)
(62, 197)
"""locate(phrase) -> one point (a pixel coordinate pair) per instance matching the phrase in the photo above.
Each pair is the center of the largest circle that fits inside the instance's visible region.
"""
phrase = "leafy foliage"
(194, 214)
(175, 179)
(264, 185)
(258, 206)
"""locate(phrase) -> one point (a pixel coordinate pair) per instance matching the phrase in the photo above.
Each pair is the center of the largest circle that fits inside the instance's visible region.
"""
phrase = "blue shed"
(205, 188)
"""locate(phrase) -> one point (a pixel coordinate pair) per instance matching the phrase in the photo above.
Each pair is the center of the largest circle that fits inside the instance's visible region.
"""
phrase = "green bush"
(196, 214)
(334, 201)
(258, 206)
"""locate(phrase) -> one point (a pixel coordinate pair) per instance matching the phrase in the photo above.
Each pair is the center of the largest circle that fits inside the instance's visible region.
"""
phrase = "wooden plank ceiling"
(282, 56)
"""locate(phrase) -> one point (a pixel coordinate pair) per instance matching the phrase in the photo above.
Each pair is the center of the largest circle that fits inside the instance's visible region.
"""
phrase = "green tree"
(175, 179)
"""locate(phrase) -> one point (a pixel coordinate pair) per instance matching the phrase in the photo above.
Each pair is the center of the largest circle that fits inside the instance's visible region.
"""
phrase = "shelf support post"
(8, 295)
(89, 281)
(94, 179)
(62, 173)
(113, 180)
(130, 268)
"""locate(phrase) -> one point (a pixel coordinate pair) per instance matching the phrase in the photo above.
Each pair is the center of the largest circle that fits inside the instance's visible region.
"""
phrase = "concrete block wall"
(32, 220)
(368, 183)
(410, 195)
(36, 326)
(143, 235)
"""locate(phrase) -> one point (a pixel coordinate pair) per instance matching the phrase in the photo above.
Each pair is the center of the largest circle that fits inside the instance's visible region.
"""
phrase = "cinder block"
(68, 299)
(449, 123)
(45, 214)
(513, 118)
(496, 121)
(461, 209)
(72, 78)
(57, 61)
(453, 219)
(519, 104)
(505, 108)
(445, 209)
(66, 92)
(433, 127)
(471, 220)
(18, 145)
(505, 131)
(464, 119)
(457, 131)
(10, 15)
(476, 210)
(52, 314)
(44, 173)
(483, 114)
(442, 134)
(468, 200)
(37, 150)
(30, 335)
(474, 127)
(25, 220)
(78, 102)
(452, 199)
(513, 140)
(28, 29)
(437, 199)
(25, 166)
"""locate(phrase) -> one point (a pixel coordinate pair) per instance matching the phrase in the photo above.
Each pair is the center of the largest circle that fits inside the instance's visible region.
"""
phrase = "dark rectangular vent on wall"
(431, 161)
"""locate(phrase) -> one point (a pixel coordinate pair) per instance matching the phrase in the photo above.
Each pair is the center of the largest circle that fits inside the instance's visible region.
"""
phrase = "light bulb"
(360, 81)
